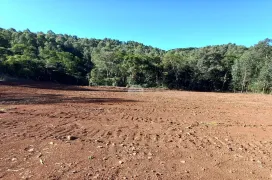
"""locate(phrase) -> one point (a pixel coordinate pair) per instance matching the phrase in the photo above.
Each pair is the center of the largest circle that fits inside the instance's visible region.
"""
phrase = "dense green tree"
(251, 72)
(174, 70)
(69, 59)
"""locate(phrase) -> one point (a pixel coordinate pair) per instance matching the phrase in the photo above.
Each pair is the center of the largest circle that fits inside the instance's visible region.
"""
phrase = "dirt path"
(132, 135)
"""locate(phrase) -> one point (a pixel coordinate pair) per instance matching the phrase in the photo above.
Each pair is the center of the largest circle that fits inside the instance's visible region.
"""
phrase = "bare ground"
(132, 135)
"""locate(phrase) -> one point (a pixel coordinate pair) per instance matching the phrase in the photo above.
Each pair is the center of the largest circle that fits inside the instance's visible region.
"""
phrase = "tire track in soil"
(164, 135)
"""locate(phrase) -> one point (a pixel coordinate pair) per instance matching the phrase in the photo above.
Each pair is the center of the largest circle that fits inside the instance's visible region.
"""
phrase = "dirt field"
(117, 134)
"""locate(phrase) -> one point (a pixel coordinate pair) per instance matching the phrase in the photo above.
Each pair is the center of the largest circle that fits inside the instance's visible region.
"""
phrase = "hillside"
(69, 59)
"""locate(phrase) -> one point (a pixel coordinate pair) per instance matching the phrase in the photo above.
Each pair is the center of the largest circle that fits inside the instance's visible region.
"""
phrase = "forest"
(68, 59)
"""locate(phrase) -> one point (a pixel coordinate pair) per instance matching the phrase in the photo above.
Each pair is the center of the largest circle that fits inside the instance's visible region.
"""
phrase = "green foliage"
(68, 59)
(252, 72)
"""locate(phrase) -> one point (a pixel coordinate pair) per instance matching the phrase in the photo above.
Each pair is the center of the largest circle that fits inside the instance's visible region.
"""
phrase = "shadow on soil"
(60, 87)
(21, 98)
(24, 99)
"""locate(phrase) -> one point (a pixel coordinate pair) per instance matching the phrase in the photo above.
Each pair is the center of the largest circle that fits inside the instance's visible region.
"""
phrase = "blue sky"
(165, 24)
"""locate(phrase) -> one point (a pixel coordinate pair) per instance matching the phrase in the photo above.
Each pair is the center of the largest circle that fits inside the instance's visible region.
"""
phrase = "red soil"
(132, 135)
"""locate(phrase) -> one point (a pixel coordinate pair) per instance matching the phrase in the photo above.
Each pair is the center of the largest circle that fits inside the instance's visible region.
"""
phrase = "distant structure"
(135, 89)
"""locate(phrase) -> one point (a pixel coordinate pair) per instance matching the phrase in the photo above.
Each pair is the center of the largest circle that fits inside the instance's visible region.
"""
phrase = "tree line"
(69, 59)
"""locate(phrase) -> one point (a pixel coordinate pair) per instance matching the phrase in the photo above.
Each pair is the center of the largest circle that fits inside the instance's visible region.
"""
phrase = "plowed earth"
(125, 134)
